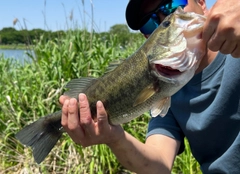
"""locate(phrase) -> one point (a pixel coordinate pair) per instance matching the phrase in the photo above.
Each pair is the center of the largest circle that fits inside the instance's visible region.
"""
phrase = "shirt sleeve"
(168, 126)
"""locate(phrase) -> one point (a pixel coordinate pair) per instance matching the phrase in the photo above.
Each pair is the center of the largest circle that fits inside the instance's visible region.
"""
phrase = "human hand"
(221, 31)
(83, 130)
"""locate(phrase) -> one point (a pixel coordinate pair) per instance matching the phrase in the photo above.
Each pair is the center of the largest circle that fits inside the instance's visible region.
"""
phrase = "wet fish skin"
(134, 86)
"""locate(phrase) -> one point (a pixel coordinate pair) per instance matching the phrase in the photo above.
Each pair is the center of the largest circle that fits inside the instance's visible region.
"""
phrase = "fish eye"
(166, 24)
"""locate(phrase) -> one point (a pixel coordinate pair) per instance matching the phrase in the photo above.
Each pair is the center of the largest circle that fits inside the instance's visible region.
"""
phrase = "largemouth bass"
(144, 81)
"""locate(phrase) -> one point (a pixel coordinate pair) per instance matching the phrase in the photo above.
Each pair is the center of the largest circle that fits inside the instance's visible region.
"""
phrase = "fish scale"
(144, 81)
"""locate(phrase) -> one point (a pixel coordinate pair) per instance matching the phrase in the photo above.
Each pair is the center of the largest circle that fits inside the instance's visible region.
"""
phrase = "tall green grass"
(31, 90)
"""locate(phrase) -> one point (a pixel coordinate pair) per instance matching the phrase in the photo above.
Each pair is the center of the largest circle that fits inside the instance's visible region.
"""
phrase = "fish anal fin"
(161, 107)
(145, 94)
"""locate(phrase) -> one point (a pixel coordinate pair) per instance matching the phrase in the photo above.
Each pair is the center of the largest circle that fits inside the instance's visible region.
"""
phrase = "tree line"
(10, 35)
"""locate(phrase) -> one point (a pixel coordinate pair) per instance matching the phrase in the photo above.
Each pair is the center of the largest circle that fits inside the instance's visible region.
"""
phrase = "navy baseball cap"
(138, 12)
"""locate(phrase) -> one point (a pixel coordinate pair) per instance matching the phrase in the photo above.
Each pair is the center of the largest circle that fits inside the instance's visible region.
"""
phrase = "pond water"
(19, 55)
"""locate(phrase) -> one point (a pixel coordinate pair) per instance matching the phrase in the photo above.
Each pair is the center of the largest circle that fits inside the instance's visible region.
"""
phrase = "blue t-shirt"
(207, 112)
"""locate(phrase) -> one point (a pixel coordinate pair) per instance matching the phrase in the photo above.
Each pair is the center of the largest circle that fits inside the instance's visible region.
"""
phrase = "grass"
(31, 90)
(14, 47)
(185, 162)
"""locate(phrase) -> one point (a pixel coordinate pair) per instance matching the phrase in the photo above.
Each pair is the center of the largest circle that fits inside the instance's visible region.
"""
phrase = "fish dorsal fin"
(76, 86)
(160, 108)
(113, 65)
(145, 94)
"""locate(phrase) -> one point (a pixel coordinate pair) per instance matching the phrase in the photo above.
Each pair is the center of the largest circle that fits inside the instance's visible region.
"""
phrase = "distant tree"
(119, 29)
(8, 29)
(122, 32)
(10, 35)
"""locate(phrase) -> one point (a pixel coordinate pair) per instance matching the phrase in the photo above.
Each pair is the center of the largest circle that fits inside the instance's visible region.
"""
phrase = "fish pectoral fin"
(76, 86)
(161, 107)
(144, 95)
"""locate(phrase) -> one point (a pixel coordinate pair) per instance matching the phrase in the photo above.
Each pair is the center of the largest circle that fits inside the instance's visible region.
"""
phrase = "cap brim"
(136, 17)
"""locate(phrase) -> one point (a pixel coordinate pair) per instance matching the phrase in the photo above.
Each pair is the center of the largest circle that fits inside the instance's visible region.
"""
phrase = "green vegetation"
(14, 47)
(11, 36)
(31, 90)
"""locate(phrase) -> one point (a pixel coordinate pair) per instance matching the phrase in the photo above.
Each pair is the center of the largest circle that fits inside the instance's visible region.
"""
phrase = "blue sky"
(55, 14)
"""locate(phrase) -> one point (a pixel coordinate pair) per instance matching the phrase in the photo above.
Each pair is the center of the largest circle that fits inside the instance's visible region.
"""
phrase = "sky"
(64, 14)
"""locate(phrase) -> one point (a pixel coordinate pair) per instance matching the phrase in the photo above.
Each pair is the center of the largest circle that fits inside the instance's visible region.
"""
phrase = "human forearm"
(156, 156)
(139, 157)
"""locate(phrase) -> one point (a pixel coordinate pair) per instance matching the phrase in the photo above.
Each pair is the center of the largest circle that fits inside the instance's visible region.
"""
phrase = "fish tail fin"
(42, 135)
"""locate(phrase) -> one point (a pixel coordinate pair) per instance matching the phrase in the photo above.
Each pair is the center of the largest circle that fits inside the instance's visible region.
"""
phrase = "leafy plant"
(31, 90)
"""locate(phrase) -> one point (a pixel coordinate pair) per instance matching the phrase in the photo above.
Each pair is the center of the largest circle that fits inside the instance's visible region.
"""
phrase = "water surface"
(19, 55)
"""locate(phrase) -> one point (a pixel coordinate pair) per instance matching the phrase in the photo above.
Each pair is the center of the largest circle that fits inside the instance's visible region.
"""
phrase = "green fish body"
(144, 81)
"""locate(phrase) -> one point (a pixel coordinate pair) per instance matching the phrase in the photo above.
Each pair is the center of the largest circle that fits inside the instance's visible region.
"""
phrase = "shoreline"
(15, 47)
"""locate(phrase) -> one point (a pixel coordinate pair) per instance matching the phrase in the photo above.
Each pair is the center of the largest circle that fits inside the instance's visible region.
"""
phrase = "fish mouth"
(175, 65)
(167, 70)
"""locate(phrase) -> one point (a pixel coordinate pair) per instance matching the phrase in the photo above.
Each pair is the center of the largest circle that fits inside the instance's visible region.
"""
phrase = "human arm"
(221, 31)
(155, 156)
